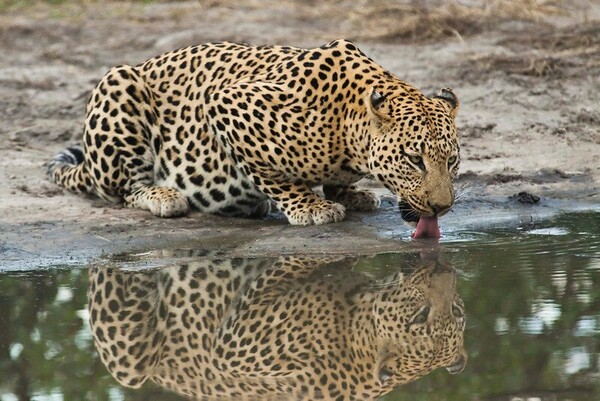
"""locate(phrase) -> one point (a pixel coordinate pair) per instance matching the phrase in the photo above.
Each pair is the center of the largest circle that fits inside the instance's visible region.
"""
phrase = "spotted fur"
(226, 128)
(293, 329)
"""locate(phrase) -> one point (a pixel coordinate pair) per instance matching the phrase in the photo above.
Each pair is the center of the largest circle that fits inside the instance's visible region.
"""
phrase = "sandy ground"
(529, 86)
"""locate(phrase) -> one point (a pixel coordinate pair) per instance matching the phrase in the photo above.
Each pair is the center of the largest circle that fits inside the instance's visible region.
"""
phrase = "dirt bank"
(527, 79)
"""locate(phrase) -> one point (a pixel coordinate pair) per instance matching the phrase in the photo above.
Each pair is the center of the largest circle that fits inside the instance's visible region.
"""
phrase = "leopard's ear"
(376, 105)
(376, 99)
(450, 99)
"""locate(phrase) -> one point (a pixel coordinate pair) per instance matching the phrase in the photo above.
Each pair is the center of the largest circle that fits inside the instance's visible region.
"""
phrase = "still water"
(531, 319)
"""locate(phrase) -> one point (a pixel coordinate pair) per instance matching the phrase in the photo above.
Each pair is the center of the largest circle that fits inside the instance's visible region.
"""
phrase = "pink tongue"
(427, 227)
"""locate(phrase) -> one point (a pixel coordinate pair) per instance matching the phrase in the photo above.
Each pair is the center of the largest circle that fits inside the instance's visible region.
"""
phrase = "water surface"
(532, 301)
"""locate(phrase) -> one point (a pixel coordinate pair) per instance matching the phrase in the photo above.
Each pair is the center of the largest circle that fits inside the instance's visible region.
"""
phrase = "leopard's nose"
(439, 209)
(458, 365)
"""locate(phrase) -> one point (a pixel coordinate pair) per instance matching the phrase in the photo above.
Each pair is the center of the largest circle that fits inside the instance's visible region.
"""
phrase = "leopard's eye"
(457, 312)
(452, 160)
(422, 316)
(417, 160)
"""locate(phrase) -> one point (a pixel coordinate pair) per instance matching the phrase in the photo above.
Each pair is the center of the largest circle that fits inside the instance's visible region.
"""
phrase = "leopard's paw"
(162, 202)
(317, 213)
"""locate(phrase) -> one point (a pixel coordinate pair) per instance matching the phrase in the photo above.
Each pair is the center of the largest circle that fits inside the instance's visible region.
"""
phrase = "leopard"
(237, 130)
(290, 328)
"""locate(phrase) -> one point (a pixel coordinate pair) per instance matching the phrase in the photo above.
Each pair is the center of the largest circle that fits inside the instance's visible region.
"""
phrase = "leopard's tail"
(68, 170)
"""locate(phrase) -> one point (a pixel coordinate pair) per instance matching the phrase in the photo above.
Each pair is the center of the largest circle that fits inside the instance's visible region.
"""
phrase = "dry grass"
(380, 20)
(538, 66)
(428, 20)
(583, 38)
(546, 52)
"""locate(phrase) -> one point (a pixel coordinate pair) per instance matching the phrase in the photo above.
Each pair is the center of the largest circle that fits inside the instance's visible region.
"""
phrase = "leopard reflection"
(291, 328)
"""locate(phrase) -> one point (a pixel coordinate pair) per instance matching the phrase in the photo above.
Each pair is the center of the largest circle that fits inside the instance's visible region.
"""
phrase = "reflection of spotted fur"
(222, 127)
(252, 329)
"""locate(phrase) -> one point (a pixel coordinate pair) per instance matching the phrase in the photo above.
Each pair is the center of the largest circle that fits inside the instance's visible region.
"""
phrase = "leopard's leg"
(296, 200)
(115, 298)
(121, 136)
(352, 198)
(302, 206)
(268, 158)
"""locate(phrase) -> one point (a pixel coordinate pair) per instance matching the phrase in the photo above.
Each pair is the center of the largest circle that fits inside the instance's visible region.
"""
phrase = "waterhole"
(524, 303)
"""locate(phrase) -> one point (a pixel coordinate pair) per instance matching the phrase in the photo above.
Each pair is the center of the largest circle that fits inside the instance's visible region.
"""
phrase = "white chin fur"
(412, 224)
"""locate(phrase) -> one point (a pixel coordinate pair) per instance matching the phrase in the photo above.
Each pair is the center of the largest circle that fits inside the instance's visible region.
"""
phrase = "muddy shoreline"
(113, 231)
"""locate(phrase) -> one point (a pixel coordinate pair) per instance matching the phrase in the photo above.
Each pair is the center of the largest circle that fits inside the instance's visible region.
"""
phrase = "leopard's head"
(419, 324)
(414, 148)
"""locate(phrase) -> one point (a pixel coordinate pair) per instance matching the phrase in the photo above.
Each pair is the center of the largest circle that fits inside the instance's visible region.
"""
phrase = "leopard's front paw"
(353, 199)
(321, 212)
(166, 202)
